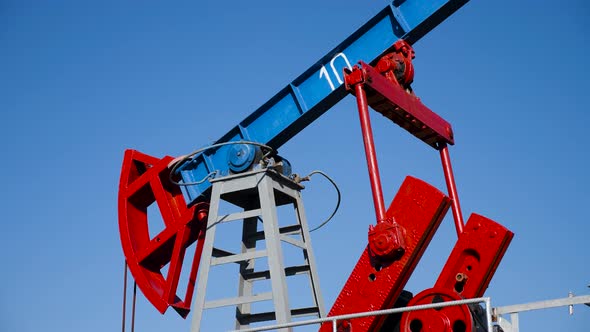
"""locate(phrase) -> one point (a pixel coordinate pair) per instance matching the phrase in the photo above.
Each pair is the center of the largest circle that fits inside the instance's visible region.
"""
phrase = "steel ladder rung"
(246, 319)
(238, 257)
(285, 230)
(239, 215)
(238, 300)
(264, 275)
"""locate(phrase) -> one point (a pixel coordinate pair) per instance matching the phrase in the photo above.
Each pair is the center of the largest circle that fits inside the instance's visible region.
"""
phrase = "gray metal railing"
(334, 319)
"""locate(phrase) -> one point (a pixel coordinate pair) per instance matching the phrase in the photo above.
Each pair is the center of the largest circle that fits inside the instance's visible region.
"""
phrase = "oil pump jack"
(374, 64)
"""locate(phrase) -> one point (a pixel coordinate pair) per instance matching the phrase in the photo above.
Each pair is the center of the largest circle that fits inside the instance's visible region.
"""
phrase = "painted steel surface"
(445, 159)
(418, 208)
(320, 87)
(145, 181)
(475, 257)
(370, 153)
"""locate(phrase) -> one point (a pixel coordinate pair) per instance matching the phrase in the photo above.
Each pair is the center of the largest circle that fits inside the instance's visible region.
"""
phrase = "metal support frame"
(258, 193)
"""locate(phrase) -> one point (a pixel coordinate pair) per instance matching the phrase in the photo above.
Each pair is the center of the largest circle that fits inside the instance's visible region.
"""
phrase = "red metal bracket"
(397, 66)
(145, 180)
(395, 103)
(466, 274)
(419, 208)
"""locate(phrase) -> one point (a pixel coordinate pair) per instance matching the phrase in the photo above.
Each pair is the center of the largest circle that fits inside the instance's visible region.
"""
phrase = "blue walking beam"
(319, 88)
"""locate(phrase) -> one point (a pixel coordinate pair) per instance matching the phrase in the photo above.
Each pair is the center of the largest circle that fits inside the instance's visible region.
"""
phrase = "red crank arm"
(475, 257)
(373, 285)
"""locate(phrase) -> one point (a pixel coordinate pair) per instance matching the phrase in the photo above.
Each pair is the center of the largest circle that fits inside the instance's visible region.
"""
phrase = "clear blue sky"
(81, 81)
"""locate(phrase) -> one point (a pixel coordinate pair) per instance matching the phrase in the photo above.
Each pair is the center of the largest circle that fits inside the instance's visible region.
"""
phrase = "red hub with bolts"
(456, 318)
(146, 180)
(386, 240)
(397, 66)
